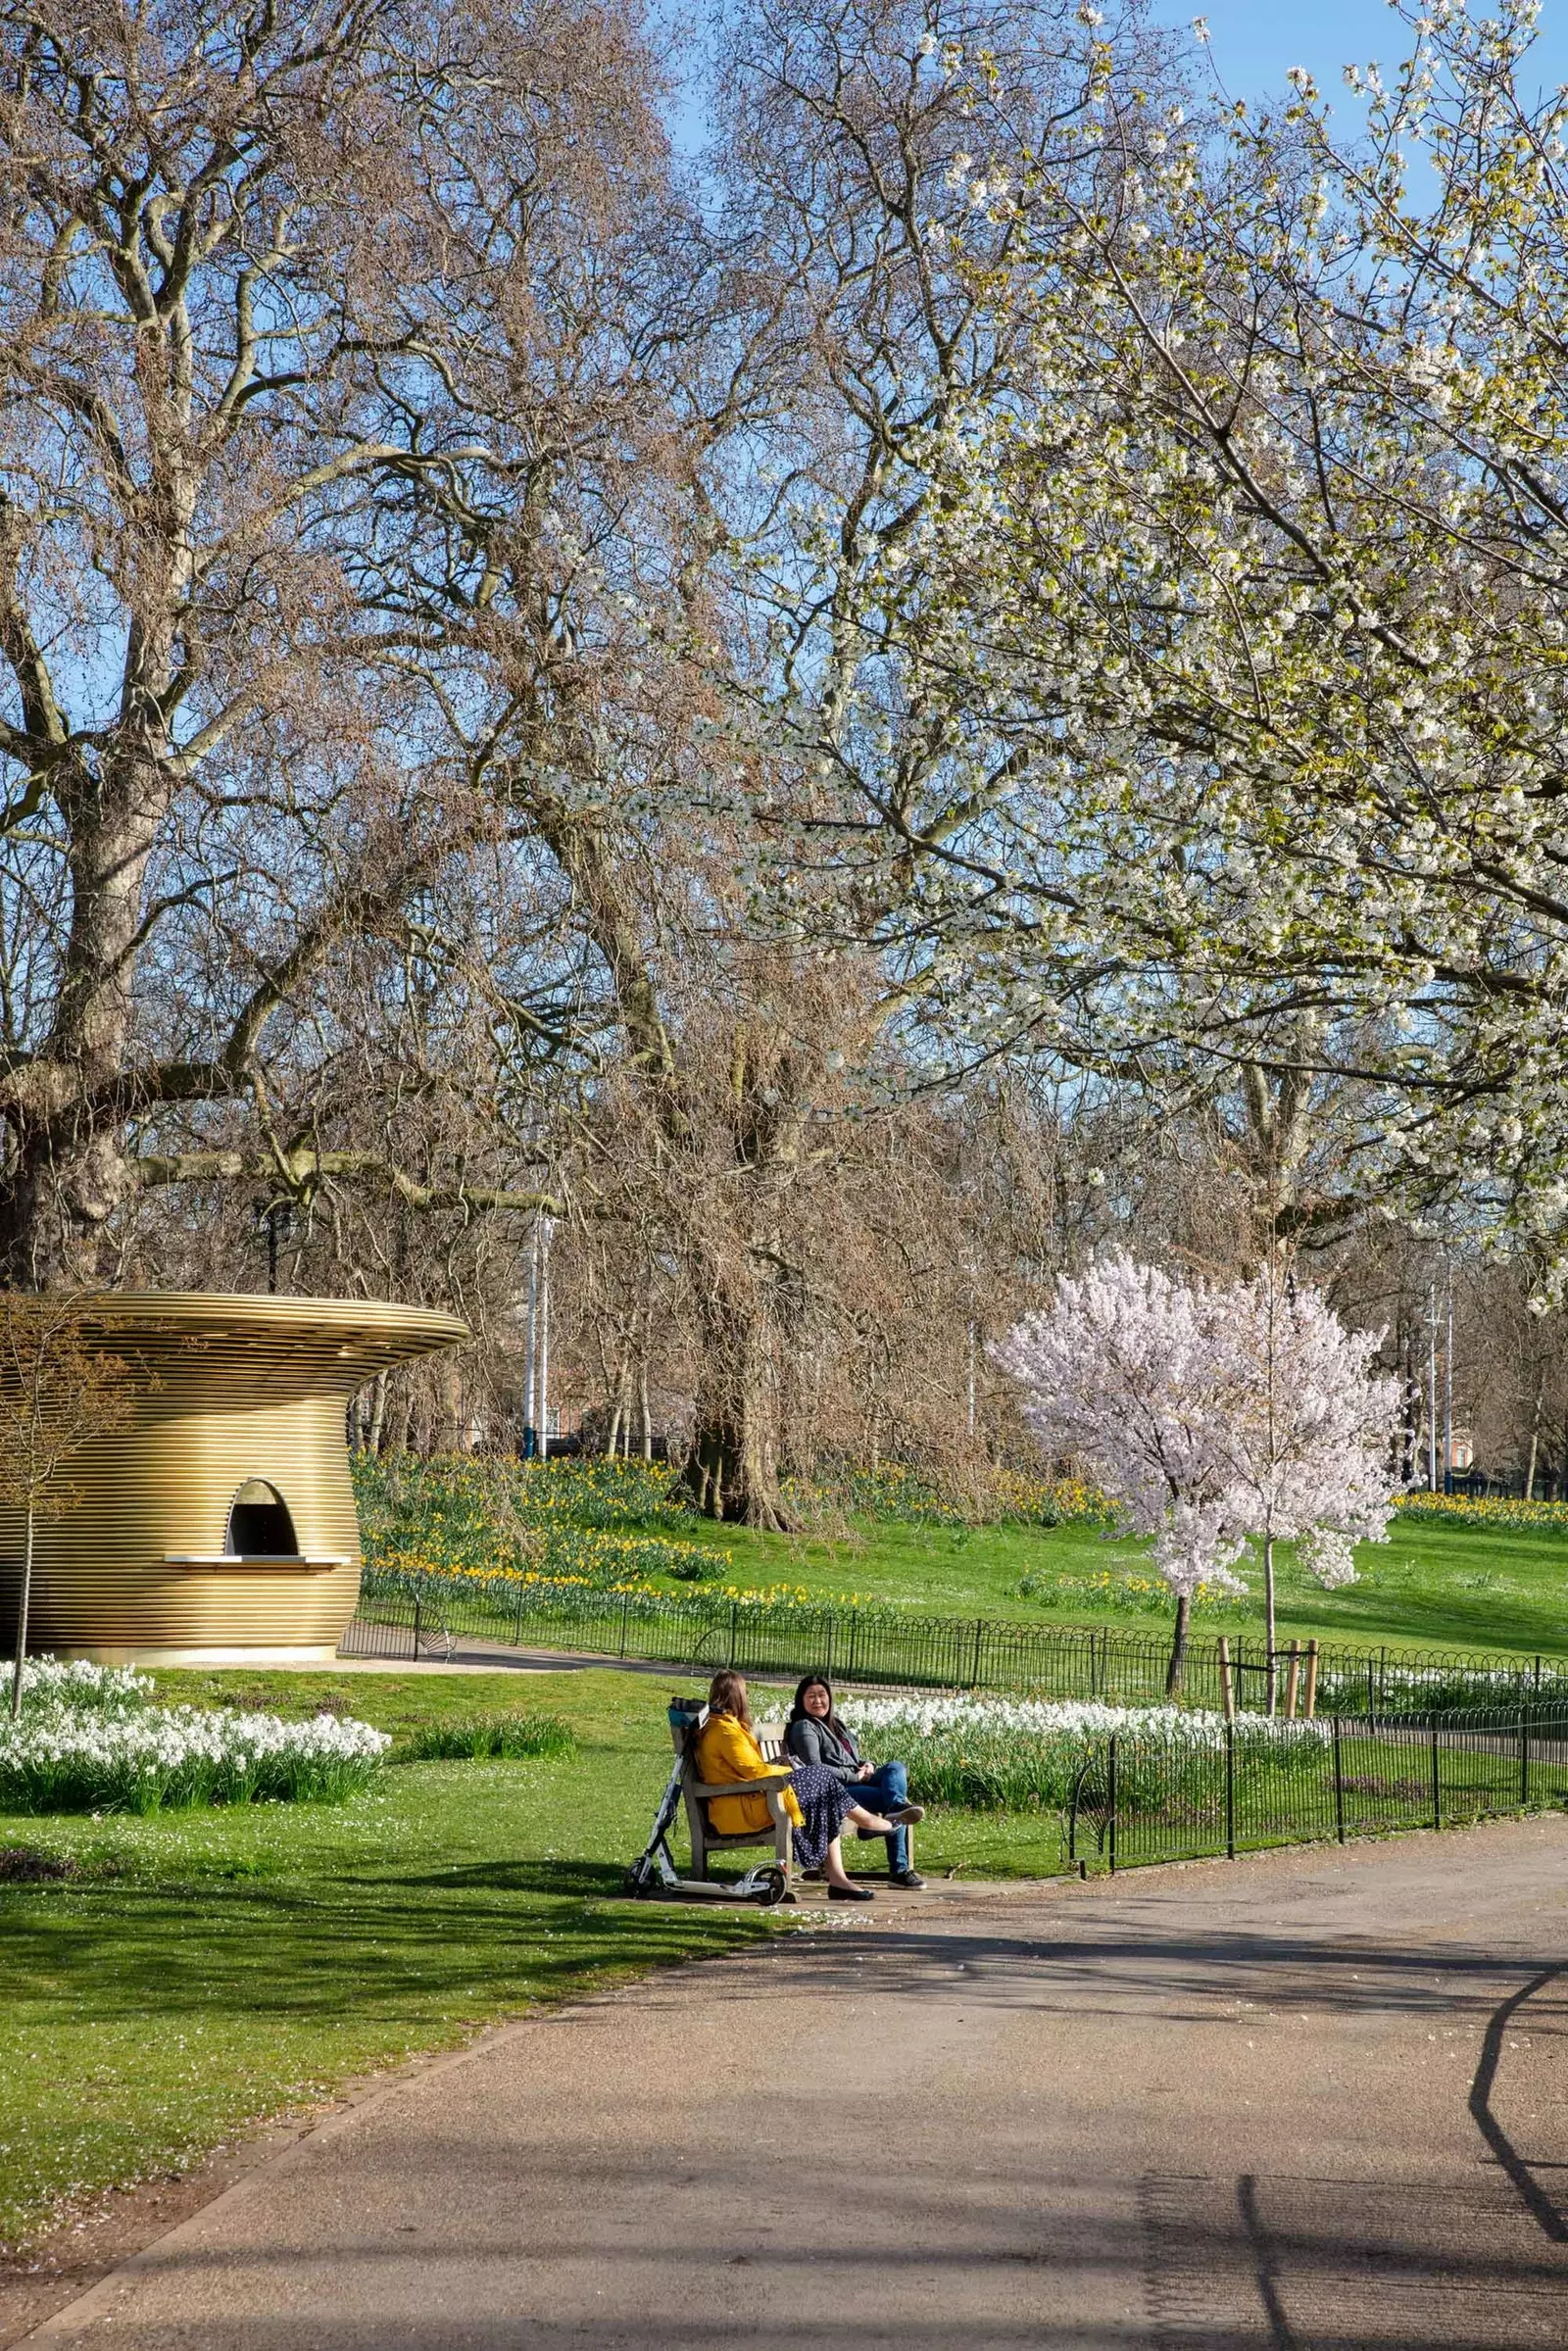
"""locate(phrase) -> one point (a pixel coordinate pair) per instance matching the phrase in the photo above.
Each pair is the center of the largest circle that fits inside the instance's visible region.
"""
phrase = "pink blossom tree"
(1308, 1449)
(1215, 1416)
(1128, 1371)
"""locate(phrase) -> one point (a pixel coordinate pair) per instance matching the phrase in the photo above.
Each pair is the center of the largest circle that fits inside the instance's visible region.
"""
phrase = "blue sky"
(1255, 42)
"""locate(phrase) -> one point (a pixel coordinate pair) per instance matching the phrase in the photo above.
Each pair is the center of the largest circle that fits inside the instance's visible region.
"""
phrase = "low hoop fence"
(402, 1615)
(1137, 1800)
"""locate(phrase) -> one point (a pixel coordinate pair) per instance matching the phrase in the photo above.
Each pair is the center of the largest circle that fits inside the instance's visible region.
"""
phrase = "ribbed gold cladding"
(245, 1388)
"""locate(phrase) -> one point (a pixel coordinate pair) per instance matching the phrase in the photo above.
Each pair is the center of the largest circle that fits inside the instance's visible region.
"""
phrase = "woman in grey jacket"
(815, 1735)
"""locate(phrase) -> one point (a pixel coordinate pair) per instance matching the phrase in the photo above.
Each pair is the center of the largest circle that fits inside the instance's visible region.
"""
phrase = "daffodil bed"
(611, 1525)
(1454, 1575)
(1481, 1510)
(1121, 1594)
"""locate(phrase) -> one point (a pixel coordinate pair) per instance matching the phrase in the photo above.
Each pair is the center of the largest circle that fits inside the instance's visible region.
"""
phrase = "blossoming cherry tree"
(1215, 1416)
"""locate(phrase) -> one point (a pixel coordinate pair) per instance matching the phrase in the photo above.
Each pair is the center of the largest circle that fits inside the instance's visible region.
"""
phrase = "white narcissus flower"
(77, 1683)
(56, 1757)
(932, 1717)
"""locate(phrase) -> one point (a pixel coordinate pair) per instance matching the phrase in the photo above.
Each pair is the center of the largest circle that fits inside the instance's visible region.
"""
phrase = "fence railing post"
(1230, 1792)
(1524, 1757)
(849, 1670)
(1110, 1804)
(416, 1651)
(516, 1629)
(734, 1621)
(1437, 1782)
(1293, 1682)
(827, 1662)
(1339, 1784)
(979, 1637)
(625, 1611)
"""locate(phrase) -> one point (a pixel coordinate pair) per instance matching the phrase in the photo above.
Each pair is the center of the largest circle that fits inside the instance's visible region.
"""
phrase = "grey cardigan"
(812, 1742)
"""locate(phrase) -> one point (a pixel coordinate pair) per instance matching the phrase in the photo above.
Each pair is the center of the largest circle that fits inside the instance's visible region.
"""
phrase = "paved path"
(1307, 2101)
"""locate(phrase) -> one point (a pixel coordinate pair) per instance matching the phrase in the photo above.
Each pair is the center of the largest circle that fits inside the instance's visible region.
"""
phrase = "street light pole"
(530, 1420)
(1448, 1392)
(546, 1228)
(1432, 1387)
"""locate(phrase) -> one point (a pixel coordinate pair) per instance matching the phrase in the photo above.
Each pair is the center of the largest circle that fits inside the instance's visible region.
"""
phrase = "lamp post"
(1448, 1392)
(1432, 1387)
(536, 1385)
(546, 1230)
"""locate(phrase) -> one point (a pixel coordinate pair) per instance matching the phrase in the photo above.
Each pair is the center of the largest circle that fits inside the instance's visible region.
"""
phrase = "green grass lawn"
(211, 1968)
(1429, 1586)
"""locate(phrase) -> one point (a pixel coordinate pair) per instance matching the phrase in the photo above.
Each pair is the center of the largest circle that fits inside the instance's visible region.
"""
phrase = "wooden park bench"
(699, 1795)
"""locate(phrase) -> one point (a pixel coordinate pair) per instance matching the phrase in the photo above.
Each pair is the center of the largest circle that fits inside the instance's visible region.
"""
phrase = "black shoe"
(850, 1893)
(911, 1879)
(811, 1877)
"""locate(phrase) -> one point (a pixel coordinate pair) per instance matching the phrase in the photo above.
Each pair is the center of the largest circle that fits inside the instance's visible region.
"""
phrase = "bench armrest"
(706, 1788)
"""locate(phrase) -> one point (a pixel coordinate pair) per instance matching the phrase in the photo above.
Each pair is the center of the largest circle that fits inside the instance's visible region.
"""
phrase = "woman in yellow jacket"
(817, 1800)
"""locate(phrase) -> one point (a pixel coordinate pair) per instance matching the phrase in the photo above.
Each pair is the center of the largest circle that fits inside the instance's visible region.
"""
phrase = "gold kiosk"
(216, 1525)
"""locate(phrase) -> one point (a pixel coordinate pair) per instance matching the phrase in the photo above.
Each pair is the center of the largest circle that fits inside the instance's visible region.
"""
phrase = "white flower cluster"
(1214, 1415)
(932, 1717)
(1379, 1689)
(56, 1682)
(58, 1761)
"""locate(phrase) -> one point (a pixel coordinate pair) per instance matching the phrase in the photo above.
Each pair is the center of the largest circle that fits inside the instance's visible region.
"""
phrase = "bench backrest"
(769, 1736)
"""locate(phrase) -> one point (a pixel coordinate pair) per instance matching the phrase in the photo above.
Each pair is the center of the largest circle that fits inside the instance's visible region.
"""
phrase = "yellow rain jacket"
(725, 1751)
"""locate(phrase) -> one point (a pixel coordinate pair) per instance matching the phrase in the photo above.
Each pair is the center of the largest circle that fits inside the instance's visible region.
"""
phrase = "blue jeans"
(887, 1789)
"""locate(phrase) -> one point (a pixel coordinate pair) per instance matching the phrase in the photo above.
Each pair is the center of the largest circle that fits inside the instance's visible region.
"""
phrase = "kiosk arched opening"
(260, 1526)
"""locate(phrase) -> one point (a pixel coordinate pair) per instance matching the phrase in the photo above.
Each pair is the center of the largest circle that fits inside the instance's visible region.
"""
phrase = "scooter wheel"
(775, 1885)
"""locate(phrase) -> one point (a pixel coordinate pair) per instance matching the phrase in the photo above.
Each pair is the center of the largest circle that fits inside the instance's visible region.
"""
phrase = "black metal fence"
(1136, 1800)
(404, 1616)
(398, 1626)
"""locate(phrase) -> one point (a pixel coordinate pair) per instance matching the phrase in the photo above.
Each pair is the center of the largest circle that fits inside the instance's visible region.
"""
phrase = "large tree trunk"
(66, 1173)
(733, 1471)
